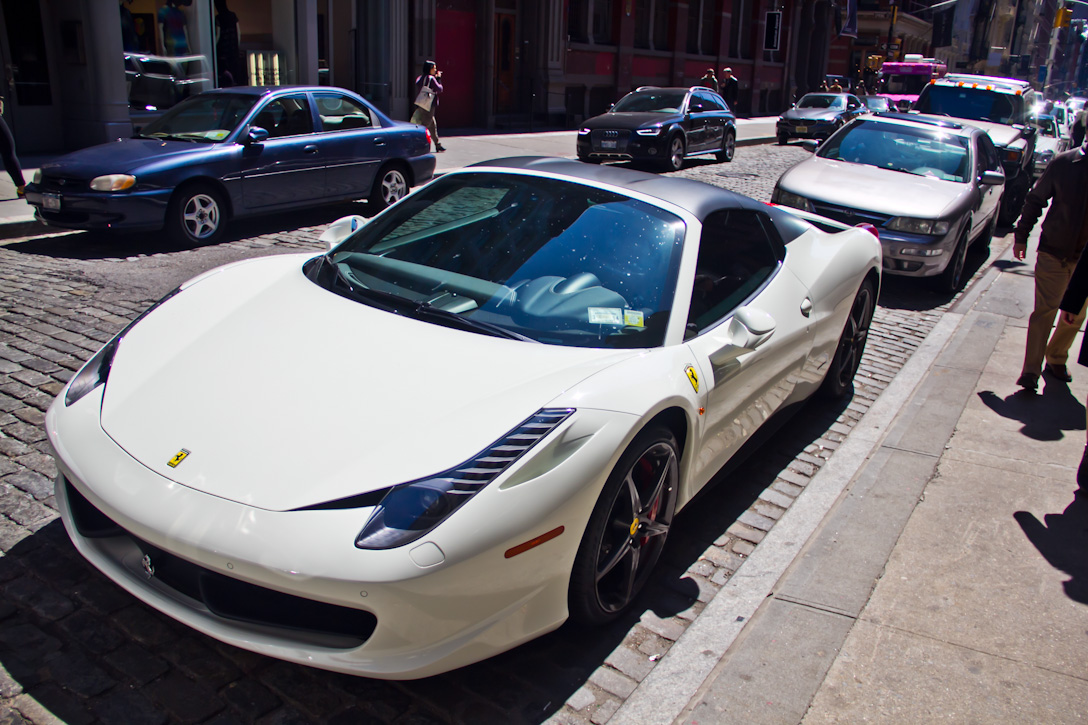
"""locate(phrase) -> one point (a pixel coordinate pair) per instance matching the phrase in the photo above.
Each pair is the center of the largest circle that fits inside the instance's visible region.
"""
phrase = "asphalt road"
(75, 645)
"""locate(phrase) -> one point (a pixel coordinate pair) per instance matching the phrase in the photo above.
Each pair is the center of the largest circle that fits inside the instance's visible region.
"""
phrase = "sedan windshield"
(901, 148)
(876, 103)
(207, 118)
(553, 261)
(651, 101)
(818, 100)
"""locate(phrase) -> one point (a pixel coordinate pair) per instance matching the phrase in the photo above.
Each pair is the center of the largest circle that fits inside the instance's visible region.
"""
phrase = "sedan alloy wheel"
(392, 186)
(196, 215)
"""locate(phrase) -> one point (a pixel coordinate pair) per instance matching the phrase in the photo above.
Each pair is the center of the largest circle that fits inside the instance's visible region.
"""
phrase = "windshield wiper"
(426, 309)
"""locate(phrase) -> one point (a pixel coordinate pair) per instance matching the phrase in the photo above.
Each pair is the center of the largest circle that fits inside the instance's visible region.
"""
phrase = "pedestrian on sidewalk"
(428, 88)
(709, 80)
(1063, 237)
(7, 152)
(730, 88)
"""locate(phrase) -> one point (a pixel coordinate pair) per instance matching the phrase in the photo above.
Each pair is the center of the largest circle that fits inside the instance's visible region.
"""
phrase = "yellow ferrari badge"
(693, 377)
(178, 458)
(634, 526)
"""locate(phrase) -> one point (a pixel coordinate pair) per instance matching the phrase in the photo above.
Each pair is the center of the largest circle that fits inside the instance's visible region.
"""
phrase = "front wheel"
(675, 160)
(196, 215)
(783, 139)
(389, 187)
(729, 147)
(840, 377)
(626, 530)
(952, 277)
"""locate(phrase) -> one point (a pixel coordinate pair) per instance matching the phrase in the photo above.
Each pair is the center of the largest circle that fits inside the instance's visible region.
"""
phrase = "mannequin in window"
(174, 28)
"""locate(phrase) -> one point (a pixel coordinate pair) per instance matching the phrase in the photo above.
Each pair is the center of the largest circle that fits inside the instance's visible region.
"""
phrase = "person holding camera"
(428, 88)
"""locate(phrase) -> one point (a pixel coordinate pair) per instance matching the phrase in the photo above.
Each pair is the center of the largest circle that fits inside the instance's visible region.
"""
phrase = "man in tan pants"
(1063, 237)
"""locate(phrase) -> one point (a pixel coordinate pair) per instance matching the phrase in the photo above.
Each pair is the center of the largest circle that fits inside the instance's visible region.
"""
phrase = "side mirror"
(256, 134)
(340, 230)
(992, 178)
(810, 145)
(749, 328)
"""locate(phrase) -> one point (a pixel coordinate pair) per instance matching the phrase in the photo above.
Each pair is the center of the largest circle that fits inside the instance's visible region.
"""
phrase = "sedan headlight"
(97, 370)
(583, 132)
(786, 198)
(113, 182)
(409, 510)
(911, 225)
(649, 131)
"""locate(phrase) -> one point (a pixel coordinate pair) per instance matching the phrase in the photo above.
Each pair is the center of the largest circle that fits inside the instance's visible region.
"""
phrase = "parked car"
(1048, 142)
(473, 417)
(818, 115)
(931, 186)
(877, 104)
(1002, 108)
(233, 153)
(155, 83)
(661, 125)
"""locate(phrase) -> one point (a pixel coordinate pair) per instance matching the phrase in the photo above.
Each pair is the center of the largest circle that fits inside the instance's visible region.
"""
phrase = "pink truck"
(902, 81)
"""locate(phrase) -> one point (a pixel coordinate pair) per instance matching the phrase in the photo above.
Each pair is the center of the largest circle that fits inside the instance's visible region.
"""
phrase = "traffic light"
(1061, 18)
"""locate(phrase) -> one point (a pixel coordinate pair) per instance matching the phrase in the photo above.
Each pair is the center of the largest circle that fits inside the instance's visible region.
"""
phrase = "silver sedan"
(930, 186)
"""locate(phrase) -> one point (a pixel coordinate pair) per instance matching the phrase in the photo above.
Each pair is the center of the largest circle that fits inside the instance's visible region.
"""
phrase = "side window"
(340, 113)
(710, 103)
(988, 159)
(287, 116)
(736, 256)
(696, 105)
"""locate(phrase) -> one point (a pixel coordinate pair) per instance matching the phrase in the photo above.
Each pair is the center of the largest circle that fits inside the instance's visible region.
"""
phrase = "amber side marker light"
(533, 543)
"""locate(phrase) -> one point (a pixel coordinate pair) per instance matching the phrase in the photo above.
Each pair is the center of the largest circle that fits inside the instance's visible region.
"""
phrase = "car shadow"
(95, 245)
(917, 294)
(88, 651)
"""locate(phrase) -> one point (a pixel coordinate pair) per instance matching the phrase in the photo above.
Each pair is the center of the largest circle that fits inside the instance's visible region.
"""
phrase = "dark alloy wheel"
(390, 186)
(627, 529)
(951, 278)
(840, 376)
(729, 147)
(675, 160)
(196, 215)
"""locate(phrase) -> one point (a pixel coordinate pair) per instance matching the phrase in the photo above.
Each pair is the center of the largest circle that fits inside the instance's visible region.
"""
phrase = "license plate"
(801, 129)
(608, 144)
(51, 201)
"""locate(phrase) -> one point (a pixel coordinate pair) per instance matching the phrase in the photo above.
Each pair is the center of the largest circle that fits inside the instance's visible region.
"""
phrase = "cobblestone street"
(75, 645)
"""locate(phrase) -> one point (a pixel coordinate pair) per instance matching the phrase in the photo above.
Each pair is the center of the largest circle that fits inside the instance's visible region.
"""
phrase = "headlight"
(97, 370)
(37, 178)
(918, 226)
(113, 182)
(649, 131)
(785, 198)
(921, 252)
(1013, 155)
(583, 132)
(410, 510)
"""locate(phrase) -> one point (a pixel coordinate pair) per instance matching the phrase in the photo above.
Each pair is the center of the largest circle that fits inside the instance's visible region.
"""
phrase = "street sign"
(772, 36)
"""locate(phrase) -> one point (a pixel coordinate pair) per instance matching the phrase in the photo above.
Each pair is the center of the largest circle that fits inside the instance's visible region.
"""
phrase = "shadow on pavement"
(1062, 539)
(1045, 417)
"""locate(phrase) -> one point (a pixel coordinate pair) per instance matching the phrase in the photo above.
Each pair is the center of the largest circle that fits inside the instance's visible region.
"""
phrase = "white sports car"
(471, 419)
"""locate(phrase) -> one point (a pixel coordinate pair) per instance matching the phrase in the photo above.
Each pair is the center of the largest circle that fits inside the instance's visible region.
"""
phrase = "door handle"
(806, 307)
(379, 142)
(310, 149)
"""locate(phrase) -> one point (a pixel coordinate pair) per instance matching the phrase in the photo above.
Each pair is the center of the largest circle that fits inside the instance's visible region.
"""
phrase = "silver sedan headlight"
(797, 201)
(113, 182)
(912, 225)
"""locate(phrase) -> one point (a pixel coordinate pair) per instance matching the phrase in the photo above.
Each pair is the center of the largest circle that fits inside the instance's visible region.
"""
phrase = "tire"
(390, 186)
(626, 530)
(674, 161)
(951, 279)
(1013, 199)
(783, 139)
(197, 214)
(840, 375)
(729, 147)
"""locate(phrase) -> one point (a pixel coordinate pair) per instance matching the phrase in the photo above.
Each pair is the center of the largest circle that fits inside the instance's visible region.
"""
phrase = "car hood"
(873, 189)
(631, 120)
(125, 155)
(1000, 133)
(288, 395)
(810, 114)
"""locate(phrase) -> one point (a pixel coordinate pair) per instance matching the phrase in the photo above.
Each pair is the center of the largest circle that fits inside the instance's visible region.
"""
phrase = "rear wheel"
(988, 235)
(729, 147)
(626, 530)
(390, 186)
(196, 215)
(840, 377)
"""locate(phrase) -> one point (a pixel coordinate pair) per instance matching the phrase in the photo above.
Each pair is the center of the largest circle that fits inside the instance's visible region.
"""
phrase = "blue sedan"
(233, 153)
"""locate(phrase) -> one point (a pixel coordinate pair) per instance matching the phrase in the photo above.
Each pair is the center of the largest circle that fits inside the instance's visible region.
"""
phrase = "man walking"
(1063, 237)
(730, 88)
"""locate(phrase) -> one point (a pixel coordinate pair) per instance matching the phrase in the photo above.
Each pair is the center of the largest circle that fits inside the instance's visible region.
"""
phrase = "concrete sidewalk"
(948, 581)
(463, 148)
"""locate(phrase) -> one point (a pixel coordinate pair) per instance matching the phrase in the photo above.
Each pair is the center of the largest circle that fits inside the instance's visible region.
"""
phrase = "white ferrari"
(472, 418)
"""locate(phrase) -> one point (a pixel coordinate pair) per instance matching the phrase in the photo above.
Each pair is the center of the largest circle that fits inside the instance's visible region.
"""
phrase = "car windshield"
(1046, 126)
(207, 118)
(917, 151)
(651, 101)
(976, 104)
(905, 84)
(877, 103)
(818, 100)
(552, 261)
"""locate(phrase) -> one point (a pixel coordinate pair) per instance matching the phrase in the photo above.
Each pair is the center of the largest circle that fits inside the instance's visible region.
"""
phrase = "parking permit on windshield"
(605, 315)
(633, 318)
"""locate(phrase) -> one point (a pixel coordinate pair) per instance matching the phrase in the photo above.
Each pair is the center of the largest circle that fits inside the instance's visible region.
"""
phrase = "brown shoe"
(1028, 381)
(1058, 372)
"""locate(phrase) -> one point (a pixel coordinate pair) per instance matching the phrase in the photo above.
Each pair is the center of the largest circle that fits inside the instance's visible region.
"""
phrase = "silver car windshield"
(206, 118)
(919, 151)
(553, 261)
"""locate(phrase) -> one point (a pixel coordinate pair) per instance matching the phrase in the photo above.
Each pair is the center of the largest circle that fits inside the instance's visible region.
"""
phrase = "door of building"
(506, 53)
(455, 45)
(30, 104)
